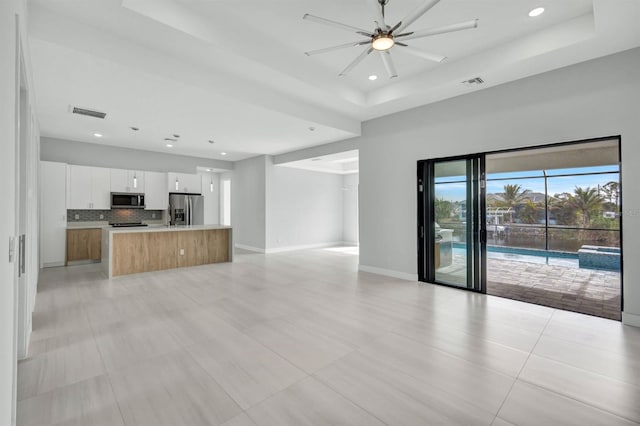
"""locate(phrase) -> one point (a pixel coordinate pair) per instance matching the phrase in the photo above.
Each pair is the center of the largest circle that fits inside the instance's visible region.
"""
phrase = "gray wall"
(588, 100)
(211, 198)
(350, 208)
(304, 208)
(248, 202)
(89, 154)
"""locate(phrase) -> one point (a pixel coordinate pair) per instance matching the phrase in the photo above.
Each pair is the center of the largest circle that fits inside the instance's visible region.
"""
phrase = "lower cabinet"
(135, 252)
(84, 244)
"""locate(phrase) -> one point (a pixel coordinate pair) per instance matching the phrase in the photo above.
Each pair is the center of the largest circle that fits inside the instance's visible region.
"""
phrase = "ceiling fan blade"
(341, 46)
(467, 25)
(335, 24)
(377, 8)
(417, 13)
(356, 61)
(388, 64)
(424, 55)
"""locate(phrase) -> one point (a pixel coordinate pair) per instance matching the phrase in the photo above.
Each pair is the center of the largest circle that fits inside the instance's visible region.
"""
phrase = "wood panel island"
(133, 250)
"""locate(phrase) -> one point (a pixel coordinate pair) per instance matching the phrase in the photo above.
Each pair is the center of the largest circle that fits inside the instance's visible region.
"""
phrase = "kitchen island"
(133, 250)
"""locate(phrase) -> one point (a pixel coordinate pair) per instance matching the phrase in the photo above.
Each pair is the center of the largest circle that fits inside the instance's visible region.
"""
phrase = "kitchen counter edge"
(163, 229)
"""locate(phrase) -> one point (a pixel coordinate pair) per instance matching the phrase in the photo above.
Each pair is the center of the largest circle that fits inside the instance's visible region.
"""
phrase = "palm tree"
(530, 212)
(513, 196)
(587, 201)
(563, 212)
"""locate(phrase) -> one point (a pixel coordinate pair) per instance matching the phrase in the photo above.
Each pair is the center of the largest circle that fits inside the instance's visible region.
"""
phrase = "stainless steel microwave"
(127, 200)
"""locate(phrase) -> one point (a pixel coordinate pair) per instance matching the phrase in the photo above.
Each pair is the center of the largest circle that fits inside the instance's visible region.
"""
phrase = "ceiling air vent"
(476, 80)
(88, 112)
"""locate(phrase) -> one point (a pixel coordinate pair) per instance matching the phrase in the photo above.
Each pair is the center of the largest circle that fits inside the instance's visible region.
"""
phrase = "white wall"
(350, 208)
(211, 197)
(304, 209)
(248, 203)
(593, 99)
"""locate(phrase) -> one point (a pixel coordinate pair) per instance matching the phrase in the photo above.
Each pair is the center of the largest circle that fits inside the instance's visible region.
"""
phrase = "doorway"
(540, 225)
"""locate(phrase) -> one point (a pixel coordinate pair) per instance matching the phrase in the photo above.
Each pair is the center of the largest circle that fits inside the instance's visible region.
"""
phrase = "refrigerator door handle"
(190, 211)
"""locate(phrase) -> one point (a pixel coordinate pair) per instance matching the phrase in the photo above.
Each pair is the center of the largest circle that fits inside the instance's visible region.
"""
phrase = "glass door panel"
(453, 229)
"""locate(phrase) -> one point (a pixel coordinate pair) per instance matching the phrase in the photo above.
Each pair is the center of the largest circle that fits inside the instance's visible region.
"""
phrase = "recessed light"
(208, 170)
(135, 129)
(536, 12)
(97, 135)
(176, 136)
(311, 129)
(223, 153)
(169, 145)
(212, 141)
(373, 77)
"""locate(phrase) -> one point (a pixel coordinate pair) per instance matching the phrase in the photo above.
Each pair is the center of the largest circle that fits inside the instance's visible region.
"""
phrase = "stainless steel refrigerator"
(186, 209)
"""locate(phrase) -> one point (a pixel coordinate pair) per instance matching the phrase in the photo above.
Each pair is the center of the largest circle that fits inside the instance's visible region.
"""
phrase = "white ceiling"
(235, 72)
(341, 163)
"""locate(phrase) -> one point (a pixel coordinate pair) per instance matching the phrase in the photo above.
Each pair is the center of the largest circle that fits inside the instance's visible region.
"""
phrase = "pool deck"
(588, 291)
(558, 283)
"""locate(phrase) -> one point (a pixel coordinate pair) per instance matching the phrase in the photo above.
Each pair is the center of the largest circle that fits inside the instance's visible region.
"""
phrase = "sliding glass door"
(451, 232)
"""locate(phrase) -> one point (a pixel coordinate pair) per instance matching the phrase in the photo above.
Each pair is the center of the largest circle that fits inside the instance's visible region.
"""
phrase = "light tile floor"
(303, 338)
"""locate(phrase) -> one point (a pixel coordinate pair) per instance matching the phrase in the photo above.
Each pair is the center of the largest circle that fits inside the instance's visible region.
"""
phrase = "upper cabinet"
(89, 188)
(127, 181)
(182, 182)
(156, 191)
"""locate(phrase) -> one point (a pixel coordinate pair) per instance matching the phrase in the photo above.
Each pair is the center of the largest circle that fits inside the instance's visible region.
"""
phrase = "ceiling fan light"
(382, 42)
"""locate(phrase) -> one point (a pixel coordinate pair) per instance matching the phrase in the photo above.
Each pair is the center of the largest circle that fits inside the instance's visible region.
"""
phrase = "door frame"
(426, 229)
(422, 204)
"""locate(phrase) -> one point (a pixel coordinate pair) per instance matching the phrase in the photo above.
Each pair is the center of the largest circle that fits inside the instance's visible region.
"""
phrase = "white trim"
(306, 247)
(388, 272)
(631, 319)
(52, 264)
(250, 248)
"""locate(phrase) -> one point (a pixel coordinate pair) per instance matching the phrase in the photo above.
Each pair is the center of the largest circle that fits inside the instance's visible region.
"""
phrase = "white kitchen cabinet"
(89, 188)
(127, 181)
(156, 194)
(183, 182)
(53, 219)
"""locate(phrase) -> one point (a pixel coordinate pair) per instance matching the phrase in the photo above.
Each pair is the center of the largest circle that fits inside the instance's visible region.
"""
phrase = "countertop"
(162, 228)
(87, 225)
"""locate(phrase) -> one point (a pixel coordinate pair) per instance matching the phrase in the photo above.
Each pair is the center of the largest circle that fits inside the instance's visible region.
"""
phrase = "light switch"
(181, 252)
(77, 217)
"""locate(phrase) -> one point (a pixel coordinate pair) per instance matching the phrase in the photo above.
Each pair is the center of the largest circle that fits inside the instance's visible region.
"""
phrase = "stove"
(127, 224)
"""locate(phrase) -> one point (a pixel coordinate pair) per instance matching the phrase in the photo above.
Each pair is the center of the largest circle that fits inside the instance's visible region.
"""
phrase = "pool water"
(542, 257)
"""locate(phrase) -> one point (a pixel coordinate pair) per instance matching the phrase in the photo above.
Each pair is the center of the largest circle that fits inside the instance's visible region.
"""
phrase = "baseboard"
(82, 262)
(350, 243)
(388, 272)
(631, 319)
(250, 248)
(52, 264)
(304, 247)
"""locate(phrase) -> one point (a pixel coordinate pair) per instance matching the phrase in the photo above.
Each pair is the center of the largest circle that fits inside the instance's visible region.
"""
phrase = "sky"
(455, 188)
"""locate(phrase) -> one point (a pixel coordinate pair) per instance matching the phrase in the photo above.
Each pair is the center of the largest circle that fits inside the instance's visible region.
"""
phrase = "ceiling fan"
(384, 37)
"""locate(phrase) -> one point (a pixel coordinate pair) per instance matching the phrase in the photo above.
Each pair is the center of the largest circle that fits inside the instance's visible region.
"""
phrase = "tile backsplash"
(116, 215)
